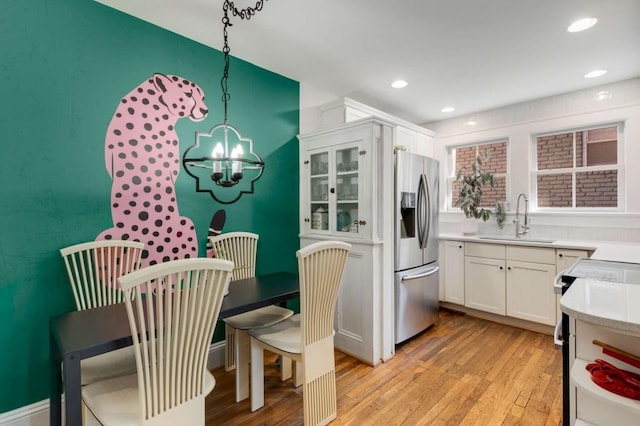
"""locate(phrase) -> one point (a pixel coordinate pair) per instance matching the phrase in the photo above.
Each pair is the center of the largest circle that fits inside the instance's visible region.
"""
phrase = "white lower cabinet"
(485, 284)
(452, 267)
(511, 280)
(530, 274)
(354, 314)
(530, 293)
(358, 321)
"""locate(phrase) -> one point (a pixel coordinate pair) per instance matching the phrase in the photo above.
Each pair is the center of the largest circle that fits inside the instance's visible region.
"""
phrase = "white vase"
(469, 226)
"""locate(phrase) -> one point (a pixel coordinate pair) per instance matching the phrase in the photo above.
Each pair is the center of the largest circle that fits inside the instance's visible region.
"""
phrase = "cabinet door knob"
(306, 219)
(560, 254)
(306, 162)
(332, 190)
(501, 268)
(362, 222)
(509, 267)
(459, 246)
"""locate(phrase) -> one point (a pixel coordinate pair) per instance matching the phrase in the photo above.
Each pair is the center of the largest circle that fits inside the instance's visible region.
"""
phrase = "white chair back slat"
(94, 267)
(240, 248)
(173, 328)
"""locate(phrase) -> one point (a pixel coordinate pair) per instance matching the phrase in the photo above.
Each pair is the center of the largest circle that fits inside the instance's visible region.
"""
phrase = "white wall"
(518, 123)
(310, 99)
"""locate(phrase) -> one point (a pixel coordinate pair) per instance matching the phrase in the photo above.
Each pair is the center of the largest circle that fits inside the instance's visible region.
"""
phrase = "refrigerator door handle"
(424, 205)
(425, 274)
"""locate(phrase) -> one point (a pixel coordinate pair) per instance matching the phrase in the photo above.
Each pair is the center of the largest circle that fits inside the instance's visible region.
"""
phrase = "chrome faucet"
(522, 229)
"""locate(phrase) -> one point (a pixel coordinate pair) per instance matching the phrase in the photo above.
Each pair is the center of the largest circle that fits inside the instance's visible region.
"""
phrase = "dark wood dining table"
(82, 334)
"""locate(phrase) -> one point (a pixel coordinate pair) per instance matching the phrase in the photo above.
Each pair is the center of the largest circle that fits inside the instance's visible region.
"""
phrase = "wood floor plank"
(464, 370)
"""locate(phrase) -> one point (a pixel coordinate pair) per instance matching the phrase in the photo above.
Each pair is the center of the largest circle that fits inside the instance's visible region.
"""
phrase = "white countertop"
(614, 305)
(533, 241)
(604, 250)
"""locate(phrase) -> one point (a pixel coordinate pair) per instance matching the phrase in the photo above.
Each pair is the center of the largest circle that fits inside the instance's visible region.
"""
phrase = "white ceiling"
(471, 54)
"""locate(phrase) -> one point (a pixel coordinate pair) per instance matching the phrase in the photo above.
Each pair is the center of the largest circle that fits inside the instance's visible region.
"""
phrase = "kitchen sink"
(520, 240)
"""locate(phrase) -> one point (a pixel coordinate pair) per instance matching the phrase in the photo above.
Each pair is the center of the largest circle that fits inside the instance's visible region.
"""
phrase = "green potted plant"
(501, 214)
(469, 200)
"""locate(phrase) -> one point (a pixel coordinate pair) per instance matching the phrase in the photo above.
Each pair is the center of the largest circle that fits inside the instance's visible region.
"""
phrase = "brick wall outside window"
(554, 190)
(597, 189)
(594, 188)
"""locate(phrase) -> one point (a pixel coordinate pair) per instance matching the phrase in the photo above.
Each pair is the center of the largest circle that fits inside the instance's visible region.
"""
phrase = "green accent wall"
(65, 66)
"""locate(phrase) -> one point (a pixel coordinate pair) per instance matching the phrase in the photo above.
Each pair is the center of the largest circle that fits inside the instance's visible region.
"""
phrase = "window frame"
(619, 167)
(451, 163)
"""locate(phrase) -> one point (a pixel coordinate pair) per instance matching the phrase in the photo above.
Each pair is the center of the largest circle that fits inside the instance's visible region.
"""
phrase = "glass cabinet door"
(319, 190)
(347, 189)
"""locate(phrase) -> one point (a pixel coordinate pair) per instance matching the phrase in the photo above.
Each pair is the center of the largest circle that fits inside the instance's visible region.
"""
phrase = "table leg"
(55, 384)
(72, 390)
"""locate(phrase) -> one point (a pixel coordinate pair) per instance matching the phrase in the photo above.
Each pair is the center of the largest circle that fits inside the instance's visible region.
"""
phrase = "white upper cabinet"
(406, 135)
(339, 182)
(414, 141)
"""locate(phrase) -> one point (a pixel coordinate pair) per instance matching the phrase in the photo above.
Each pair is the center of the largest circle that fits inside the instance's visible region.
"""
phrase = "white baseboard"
(37, 414)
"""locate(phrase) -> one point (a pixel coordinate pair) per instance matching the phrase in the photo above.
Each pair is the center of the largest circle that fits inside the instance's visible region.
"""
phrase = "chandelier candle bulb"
(217, 153)
(236, 166)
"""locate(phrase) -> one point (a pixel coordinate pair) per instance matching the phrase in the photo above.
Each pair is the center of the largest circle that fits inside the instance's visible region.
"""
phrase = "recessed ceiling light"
(448, 109)
(470, 123)
(399, 84)
(581, 25)
(602, 95)
(595, 73)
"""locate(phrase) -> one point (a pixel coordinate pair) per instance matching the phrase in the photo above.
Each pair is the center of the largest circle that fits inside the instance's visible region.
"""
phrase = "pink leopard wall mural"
(142, 156)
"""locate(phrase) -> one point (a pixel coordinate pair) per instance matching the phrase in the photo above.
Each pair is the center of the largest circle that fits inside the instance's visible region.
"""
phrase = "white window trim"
(619, 167)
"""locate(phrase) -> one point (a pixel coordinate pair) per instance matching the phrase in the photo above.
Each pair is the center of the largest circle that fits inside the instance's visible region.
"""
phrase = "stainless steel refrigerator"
(416, 244)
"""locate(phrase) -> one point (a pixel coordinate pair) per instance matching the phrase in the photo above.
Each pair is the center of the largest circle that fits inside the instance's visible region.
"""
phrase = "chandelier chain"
(246, 13)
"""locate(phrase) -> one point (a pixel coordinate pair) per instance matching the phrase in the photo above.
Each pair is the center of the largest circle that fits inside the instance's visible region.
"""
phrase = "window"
(463, 157)
(578, 169)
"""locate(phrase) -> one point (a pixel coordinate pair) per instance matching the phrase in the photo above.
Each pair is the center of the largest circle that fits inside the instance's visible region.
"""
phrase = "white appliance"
(416, 244)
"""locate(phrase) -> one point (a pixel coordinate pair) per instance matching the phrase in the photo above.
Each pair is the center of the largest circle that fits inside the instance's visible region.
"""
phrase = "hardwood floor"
(465, 371)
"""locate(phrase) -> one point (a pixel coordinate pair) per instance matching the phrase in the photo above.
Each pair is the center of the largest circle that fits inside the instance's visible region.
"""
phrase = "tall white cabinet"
(346, 193)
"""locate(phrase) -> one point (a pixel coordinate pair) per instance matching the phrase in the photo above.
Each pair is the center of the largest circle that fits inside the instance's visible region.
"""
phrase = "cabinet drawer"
(531, 254)
(492, 251)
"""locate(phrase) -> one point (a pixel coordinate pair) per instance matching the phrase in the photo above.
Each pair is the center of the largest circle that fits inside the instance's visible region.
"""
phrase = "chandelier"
(221, 158)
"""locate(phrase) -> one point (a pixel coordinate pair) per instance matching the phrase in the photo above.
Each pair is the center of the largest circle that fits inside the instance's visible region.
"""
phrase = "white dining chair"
(93, 269)
(307, 338)
(241, 248)
(172, 330)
